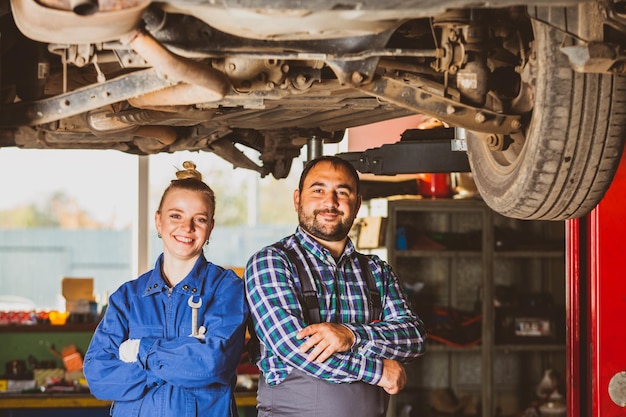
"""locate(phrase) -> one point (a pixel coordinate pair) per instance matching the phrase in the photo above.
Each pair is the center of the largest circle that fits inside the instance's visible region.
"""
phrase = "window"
(65, 213)
(73, 213)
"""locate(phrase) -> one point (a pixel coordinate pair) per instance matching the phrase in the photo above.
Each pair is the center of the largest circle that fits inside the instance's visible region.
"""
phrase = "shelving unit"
(466, 256)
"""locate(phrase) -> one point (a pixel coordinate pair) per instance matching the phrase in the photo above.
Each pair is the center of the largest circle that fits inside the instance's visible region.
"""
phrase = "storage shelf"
(436, 254)
(437, 347)
(530, 254)
(470, 271)
(531, 348)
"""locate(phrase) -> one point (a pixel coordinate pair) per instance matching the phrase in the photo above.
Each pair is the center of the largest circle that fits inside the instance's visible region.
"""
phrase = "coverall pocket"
(138, 332)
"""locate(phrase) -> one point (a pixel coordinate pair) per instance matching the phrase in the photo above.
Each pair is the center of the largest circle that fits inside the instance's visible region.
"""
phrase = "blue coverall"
(176, 375)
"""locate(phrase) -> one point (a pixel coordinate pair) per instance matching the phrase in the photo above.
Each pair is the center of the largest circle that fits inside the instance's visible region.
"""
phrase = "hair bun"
(189, 172)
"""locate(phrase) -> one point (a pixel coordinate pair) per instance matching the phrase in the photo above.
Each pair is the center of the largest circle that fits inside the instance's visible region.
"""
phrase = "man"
(349, 363)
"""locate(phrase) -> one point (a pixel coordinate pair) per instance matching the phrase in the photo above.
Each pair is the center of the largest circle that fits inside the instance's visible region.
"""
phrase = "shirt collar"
(311, 245)
(192, 283)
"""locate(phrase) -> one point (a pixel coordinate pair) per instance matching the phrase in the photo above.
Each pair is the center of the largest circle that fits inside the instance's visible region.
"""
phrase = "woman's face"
(185, 223)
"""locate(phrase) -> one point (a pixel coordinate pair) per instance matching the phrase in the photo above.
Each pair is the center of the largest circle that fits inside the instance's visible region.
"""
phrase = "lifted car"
(537, 85)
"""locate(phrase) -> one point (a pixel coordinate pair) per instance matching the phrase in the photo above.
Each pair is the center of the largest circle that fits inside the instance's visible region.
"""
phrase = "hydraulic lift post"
(596, 306)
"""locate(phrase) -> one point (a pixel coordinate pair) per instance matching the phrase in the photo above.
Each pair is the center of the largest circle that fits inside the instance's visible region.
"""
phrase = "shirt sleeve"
(278, 317)
(399, 334)
(107, 376)
(192, 363)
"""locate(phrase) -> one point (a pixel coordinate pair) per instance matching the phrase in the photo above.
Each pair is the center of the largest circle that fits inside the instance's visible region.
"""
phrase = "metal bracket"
(419, 151)
(82, 100)
(416, 94)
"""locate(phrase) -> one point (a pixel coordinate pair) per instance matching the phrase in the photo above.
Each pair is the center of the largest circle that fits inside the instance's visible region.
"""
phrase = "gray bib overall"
(301, 395)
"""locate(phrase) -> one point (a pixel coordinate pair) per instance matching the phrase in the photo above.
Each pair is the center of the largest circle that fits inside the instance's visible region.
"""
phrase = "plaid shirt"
(272, 286)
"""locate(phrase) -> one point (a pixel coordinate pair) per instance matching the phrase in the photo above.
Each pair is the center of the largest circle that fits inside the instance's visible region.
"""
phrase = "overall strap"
(308, 298)
(373, 300)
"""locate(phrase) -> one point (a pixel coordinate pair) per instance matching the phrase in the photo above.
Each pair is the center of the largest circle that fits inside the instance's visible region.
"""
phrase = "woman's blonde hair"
(189, 178)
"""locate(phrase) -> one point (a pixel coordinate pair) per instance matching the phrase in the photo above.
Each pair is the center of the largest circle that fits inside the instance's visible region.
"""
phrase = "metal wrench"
(194, 314)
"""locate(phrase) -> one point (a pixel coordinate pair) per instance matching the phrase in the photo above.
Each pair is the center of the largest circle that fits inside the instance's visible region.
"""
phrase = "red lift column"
(596, 307)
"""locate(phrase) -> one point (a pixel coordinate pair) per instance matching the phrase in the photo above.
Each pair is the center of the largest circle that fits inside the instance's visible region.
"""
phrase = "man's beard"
(331, 233)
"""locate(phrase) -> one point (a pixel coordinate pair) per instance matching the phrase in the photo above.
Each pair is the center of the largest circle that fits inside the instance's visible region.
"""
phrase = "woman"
(170, 341)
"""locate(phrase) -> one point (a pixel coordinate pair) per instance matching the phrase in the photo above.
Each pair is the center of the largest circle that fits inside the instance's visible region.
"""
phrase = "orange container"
(58, 318)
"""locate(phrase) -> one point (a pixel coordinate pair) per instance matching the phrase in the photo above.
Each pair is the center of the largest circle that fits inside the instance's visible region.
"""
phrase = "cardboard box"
(371, 232)
(78, 293)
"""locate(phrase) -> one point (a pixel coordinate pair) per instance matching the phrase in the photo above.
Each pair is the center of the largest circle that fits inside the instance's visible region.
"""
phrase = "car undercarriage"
(537, 87)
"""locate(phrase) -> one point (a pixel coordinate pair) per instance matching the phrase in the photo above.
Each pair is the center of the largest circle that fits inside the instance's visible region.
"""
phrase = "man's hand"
(394, 376)
(325, 339)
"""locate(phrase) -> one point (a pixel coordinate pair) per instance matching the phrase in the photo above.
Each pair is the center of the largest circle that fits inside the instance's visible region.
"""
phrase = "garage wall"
(33, 261)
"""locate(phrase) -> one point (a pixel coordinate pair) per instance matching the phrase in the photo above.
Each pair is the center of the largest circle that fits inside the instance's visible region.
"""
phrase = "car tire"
(563, 162)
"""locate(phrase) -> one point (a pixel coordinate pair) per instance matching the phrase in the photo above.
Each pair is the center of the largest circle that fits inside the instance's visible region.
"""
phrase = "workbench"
(20, 341)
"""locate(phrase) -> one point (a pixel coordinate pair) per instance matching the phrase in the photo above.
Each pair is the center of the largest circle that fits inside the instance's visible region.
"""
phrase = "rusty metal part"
(494, 142)
(176, 95)
(252, 74)
(81, 100)
(101, 122)
(472, 80)
(153, 139)
(164, 134)
(106, 122)
(226, 149)
(53, 25)
(418, 98)
(177, 68)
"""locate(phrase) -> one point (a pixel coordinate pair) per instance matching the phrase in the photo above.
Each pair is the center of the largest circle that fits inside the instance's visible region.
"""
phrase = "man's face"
(328, 202)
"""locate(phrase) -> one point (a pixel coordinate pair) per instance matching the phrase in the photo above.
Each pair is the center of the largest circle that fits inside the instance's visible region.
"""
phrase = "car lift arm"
(418, 151)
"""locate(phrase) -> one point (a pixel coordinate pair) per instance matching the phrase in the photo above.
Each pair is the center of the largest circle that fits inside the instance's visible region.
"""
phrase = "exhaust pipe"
(179, 69)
